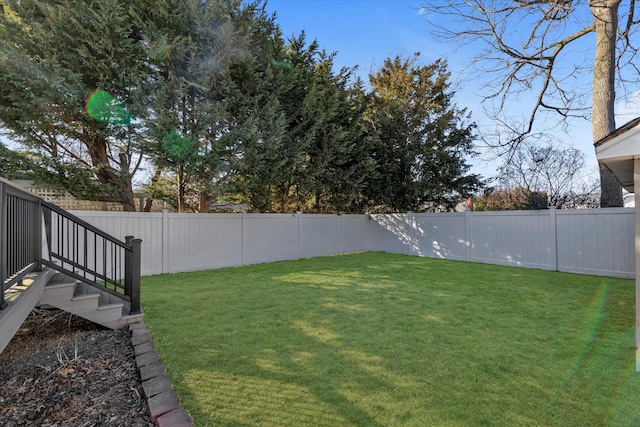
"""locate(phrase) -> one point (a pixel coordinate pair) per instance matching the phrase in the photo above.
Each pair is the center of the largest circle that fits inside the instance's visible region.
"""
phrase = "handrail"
(20, 235)
(74, 247)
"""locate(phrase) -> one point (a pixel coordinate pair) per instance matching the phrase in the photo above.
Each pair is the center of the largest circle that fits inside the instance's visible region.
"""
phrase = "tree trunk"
(605, 13)
(204, 202)
(148, 204)
(106, 174)
(181, 186)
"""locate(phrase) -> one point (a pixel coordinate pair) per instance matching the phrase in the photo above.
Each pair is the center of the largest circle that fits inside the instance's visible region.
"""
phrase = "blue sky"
(365, 32)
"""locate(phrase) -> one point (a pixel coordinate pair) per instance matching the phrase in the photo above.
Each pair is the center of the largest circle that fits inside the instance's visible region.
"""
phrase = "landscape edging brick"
(163, 403)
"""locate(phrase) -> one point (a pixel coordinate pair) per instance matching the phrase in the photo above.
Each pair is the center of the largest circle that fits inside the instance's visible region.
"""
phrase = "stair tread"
(59, 278)
(60, 285)
(85, 297)
(110, 306)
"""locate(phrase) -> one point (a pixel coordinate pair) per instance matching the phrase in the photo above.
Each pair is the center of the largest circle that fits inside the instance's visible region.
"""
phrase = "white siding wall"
(597, 241)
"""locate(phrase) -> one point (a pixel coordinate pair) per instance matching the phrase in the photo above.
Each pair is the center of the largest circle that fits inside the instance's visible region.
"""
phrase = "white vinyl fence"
(599, 241)
(588, 241)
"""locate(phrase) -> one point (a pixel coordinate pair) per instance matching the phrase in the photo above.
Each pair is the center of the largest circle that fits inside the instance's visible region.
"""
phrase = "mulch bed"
(61, 370)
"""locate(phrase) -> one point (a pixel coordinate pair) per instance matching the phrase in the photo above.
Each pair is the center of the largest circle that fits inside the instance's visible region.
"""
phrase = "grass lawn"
(375, 339)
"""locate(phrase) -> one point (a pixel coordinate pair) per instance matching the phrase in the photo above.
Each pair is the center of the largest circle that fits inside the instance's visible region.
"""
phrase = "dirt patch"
(61, 370)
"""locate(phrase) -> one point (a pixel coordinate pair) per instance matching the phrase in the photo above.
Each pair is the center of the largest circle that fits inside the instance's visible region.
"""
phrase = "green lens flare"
(282, 64)
(105, 108)
(176, 145)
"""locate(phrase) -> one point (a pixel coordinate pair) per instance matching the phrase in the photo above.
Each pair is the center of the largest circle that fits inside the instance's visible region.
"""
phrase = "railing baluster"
(86, 243)
(20, 236)
(3, 243)
(104, 258)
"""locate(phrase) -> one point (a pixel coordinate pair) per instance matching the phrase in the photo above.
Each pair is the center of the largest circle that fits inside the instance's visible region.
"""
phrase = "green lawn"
(376, 339)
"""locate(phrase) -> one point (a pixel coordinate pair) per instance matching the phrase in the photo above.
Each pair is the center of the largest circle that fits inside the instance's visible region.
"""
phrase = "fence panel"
(512, 238)
(355, 230)
(391, 233)
(598, 241)
(440, 235)
(203, 241)
(320, 235)
(270, 237)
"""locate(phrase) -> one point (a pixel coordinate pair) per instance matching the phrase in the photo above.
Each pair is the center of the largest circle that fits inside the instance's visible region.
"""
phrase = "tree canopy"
(71, 75)
(423, 137)
(558, 172)
(217, 105)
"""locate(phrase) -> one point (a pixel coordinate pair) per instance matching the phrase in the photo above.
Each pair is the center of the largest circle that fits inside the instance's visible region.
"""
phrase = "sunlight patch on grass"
(322, 334)
(244, 400)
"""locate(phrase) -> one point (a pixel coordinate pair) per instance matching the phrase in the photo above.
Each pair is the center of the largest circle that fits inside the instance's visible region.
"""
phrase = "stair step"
(106, 315)
(111, 307)
(57, 292)
(60, 278)
(18, 309)
(105, 299)
(82, 289)
(89, 302)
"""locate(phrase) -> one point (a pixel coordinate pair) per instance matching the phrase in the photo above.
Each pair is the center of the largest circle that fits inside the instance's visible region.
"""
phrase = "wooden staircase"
(48, 288)
(78, 298)
(98, 275)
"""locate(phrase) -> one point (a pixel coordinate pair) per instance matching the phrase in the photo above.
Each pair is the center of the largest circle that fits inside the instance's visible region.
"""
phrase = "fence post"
(342, 233)
(132, 262)
(299, 215)
(243, 237)
(165, 242)
(467, 235)
(410, 250)
(37, 219)
(3, 243)
(553, 238)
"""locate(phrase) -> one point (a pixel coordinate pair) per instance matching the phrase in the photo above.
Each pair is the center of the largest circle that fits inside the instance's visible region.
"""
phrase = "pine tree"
(59, 60)
(423, 138)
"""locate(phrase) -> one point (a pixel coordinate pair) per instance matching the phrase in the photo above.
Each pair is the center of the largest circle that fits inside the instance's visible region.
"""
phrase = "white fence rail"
(599, 241)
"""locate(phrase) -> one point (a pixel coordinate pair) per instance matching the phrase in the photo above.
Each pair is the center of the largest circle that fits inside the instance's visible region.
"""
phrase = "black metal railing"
(20, 235)
(73, 247)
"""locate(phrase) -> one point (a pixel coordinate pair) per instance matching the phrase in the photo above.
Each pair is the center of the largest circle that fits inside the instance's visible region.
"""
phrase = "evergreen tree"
(189, 131)
(339, 161)
(71, 73)
(423, 138)
(307, 150)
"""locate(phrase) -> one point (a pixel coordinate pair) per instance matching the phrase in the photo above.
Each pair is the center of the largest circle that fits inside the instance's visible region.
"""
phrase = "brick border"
(162, 401)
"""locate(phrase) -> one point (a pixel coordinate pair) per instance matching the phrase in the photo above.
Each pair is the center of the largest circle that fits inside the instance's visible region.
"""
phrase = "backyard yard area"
(374, 339)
